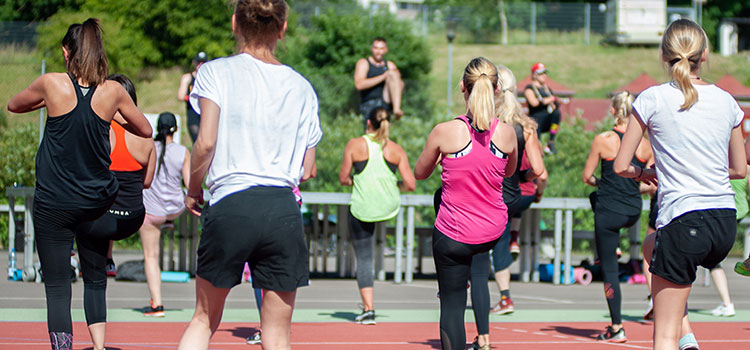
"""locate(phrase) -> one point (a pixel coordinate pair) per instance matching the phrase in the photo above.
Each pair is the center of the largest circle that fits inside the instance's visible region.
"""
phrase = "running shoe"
(111, 269)
(254, 339)
(503, 307)
(475, 345)
(722, 310)
(366, 317)
(550, 148)
(613, 337)
(515, 249)
(649, 314)
(154, 311)
(688, 342)
(743, 268)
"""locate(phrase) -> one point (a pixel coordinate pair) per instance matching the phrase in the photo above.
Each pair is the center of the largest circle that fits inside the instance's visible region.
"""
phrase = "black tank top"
(511, 184)
(540, 94)
(191, 113)
(72, 164)
(375, 92)
(130, 194)
(616, 193)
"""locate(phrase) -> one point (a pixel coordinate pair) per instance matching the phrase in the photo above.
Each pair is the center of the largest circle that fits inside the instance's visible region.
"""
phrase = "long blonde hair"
(508, 108)
(682, 47)
(380, 120)
(480, 81)
(622, 103)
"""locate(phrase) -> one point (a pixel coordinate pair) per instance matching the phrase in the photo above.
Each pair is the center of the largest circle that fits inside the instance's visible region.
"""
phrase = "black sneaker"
(154, 311)
(366, 317)
(254, 339)
(613, 337)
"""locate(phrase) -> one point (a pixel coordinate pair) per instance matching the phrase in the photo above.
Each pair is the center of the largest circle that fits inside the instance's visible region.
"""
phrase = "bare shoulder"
(392, 65)
(505, 130)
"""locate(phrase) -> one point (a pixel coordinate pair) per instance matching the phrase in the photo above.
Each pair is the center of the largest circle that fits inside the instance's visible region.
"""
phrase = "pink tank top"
(472, 209)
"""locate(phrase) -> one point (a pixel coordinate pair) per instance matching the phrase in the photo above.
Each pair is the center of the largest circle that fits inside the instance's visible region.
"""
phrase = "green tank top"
(740, 197)
(375, 196)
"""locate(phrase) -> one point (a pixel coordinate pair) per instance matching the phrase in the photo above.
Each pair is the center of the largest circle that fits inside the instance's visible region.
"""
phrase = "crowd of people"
(101, 177)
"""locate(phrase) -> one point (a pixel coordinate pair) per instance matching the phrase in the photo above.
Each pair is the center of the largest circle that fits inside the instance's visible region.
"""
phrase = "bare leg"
(669, 310)
(648, 249)
(502, 278)
(367, 297)
(722, 286)
(276, 318)
(150, 236)
(209, 306)
(394, 88)
(98, 332)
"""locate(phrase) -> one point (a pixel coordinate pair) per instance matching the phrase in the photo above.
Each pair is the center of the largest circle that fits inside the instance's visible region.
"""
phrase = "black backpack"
(131, 271)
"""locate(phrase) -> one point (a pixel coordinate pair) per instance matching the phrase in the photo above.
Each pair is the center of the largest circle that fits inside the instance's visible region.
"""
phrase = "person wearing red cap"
(543, 105)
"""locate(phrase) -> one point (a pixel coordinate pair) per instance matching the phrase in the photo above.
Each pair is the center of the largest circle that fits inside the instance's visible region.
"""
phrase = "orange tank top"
(121, 158)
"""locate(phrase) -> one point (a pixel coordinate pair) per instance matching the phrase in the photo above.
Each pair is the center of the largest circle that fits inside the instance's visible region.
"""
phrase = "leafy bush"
(18, 145)
(328, 50)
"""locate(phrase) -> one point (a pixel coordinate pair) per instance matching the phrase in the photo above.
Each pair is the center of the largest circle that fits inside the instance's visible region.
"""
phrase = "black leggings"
(93, 244)
(480, 291)
(548, 122)
(453, 262)
(607, 225)
(362, 239)
(55, 230)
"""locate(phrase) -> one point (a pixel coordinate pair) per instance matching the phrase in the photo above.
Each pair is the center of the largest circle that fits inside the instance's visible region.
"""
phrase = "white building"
(404, 9)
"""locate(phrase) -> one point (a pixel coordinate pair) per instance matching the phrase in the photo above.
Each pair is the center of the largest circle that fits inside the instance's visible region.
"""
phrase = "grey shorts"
(261, 226)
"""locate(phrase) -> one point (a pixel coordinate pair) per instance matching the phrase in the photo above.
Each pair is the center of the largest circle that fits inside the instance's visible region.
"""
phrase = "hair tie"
(675, 61)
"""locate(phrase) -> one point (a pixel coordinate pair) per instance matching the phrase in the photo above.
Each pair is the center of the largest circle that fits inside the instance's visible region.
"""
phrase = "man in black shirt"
(378, 81)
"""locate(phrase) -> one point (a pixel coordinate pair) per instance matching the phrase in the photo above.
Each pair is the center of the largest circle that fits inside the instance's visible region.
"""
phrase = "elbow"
(146, 131)
(620, 169)
(410, 186)
(738, 173)
(420, 175)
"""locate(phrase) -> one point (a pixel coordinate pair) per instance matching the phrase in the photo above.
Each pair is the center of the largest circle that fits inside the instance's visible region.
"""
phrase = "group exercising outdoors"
(103, 174)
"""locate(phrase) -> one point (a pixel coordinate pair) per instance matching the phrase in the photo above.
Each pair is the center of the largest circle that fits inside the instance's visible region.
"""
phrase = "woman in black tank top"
(74, 184)
(617, 204)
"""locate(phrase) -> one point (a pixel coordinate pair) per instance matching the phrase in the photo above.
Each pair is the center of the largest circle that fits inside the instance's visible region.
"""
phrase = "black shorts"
(653, 213)
(261, 226)
(696, 238)
(366, 107)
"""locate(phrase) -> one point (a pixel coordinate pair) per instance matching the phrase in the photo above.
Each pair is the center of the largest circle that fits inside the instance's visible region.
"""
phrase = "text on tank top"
(375, 92)
(72, 164)
(616, 193)
(472, 210)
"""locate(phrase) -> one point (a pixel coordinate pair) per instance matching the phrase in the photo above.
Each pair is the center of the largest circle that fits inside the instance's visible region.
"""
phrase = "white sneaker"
(723, 310)
(649, 314)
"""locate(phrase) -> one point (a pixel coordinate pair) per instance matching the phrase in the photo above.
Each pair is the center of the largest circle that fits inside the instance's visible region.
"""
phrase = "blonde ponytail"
(682, 47)
(480, 80)
(507, 107)
(622, 103)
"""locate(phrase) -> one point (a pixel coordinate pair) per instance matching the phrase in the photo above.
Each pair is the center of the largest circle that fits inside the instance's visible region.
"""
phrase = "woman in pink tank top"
(476, 152)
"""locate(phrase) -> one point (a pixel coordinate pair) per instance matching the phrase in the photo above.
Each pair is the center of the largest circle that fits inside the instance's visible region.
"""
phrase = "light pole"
(450, 24)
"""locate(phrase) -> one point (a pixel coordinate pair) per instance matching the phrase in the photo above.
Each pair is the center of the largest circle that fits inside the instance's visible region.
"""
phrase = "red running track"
(334, 336)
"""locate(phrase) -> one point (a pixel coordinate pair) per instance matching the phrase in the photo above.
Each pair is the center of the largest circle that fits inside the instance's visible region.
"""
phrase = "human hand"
(193, 203)
(647, 176)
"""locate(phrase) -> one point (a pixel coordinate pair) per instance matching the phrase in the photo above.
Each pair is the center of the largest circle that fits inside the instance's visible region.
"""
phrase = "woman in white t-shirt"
(257, 138)
(695, 133)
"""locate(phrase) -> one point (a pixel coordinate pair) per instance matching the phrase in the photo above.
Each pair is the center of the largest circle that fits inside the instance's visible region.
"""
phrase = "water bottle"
(11, 263)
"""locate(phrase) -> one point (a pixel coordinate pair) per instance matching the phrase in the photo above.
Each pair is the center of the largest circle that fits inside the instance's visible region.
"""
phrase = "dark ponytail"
(166, 125)
(86, 57)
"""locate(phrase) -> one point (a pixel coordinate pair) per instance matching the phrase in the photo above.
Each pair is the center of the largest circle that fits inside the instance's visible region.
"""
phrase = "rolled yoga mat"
(174, 276)
(582, 276)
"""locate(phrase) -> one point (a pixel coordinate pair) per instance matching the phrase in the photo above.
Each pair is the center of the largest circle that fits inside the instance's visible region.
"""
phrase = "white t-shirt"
(691, 148)
(268, 119)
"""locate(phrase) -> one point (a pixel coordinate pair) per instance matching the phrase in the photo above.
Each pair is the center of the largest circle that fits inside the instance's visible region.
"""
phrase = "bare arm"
(430, 154)
(30, 98)
(531, 97)
(534, 154)
(346, 165)
(408, 182)
(591, 162)
(148, 178)
(203, 154)
(309, 170)
(133, 117)
(182, 91)
(737, 156)
(186, 169)
(361, 81)
(630, 140)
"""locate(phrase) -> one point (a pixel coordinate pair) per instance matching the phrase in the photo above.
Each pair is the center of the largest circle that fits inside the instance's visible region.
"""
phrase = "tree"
(34, 10)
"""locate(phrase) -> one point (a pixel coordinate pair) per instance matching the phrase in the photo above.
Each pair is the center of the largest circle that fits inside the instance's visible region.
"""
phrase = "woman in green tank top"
(374, 160)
